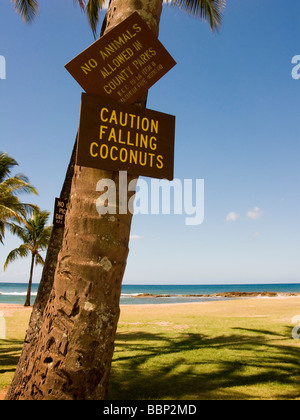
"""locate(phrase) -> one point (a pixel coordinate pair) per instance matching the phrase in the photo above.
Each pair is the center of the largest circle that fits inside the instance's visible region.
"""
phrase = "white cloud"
(232, 217)
(255, 214)
(135, 237)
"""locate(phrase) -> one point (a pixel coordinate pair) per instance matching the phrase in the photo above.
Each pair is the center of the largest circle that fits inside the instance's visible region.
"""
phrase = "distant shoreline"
(223, 297)
(169, 294)
(7, 309)
(235, 294)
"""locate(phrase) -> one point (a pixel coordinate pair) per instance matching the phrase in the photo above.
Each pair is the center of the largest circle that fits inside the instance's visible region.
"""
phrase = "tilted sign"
(124, 63)
(60, 210)
(118, 137)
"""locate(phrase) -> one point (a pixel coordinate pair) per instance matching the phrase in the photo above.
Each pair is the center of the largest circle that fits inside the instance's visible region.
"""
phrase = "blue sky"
(237, 114)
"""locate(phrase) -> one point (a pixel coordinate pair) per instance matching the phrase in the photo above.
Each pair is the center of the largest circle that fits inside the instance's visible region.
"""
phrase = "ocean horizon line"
(182, 284)
(15, 293)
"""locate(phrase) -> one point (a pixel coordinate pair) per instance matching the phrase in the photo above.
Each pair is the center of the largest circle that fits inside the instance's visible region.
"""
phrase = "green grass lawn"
(239, 349)
(10, 349)
(225, 350)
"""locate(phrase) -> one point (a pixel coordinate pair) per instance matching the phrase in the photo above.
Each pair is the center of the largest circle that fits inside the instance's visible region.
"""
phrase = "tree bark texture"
(73, 351)
(44, 289)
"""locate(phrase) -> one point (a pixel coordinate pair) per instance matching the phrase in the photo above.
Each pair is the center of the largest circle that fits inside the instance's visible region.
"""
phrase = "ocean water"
(15, 293)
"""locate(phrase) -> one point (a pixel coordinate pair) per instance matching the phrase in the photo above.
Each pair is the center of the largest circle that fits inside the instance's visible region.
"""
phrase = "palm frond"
(19, 184)
(20, 231)
(2, 231)
(35, 236)
(37, 232)
(20, 252)
(6, 163)
(12, 211)
(207, 10)
(27, 9)
(42, 241)
(39, 219)
(81, 4)
(92, 10)
(11, 208)
(39, 260)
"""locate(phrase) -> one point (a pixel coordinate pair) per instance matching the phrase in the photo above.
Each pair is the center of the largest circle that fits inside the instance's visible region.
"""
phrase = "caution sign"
(121, 137)
(124, 63)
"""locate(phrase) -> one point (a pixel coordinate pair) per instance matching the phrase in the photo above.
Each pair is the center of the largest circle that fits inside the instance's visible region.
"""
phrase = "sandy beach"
(260, 303)
(9, 310)
(284, 306)
(197, 341)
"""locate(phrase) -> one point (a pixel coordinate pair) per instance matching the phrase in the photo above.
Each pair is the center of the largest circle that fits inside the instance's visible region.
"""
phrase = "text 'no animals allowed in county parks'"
(124, 63)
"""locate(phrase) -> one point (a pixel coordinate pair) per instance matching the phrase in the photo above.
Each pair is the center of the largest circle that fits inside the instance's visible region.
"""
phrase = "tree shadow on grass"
(193, 366)
(9, 355)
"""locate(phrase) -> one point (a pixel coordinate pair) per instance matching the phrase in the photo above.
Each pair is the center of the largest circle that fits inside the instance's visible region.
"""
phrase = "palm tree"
(35, 236)
(11, 209)
(73, 346)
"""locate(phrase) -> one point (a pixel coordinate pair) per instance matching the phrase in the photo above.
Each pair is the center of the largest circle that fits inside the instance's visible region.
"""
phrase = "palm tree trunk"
(72, 356)
(27, 301)
(44, 289)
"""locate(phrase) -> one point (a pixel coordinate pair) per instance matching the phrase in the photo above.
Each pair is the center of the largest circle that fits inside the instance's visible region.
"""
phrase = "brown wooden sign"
(60, 210)
(124, 63)
(120, 137)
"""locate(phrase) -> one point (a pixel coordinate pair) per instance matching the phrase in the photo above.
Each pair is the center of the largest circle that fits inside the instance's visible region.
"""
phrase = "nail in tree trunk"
(74, 348)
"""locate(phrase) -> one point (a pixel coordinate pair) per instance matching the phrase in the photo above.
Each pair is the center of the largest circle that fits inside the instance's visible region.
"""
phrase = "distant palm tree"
(11, 209)
(35, 236)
